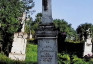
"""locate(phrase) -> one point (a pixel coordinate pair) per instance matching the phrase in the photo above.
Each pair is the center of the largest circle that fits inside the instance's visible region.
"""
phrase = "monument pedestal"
(47, 45)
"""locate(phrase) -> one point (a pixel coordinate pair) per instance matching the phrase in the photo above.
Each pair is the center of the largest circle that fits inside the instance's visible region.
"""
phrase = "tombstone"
(19, 44)
(88, 45)
(47, 36)
(18, 47)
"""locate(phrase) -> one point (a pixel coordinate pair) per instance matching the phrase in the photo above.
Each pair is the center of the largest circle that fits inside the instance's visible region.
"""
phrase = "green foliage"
(81, 30)
(5, 60)
(64, 27)
(10, 11)
(32, 26)
(63, 59)
(77, 60)
(31, 56)
(72, 59)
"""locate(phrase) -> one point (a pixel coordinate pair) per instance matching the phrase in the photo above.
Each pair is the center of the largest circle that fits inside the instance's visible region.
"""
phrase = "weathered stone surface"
(47, 45)
(16, 56)
(18, 47)
(47, 50)
(47, 12)
(23, 22)
(47, 36)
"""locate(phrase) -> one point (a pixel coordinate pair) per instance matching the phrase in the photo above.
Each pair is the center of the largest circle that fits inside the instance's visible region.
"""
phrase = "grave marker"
(47, 36)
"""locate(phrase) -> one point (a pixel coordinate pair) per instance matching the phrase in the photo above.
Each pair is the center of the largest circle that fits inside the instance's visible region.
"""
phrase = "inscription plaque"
(47, 50)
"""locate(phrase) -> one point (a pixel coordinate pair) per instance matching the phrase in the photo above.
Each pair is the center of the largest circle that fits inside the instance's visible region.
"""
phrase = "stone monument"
(47, 36)
(88, 45)
(19, 44)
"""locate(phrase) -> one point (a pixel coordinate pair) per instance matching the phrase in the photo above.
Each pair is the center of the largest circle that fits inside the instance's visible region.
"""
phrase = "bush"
(77, 60)
(63, 59)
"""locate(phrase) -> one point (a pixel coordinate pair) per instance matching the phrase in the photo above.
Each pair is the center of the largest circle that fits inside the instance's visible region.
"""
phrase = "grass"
(31, 53)
(31, 56)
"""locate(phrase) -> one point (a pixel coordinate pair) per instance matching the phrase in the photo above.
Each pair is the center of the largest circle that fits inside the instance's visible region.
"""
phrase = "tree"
(64, 27)
(82, 30)
(32, 26)
(10, 13)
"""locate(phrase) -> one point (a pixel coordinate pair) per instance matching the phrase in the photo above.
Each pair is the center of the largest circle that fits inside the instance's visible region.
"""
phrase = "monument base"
(16, 56)
(47, 44)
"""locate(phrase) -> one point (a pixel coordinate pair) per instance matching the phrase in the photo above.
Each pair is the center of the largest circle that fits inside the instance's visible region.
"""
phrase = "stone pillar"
(46, 12)
(47, 36)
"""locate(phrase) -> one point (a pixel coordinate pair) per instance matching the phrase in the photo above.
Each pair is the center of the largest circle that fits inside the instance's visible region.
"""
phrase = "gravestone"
(19, 44)
(88, 45)
(47, 36)
(18, 47)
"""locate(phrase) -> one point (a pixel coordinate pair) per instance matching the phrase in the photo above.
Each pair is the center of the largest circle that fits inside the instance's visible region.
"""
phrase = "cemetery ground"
(66, 57)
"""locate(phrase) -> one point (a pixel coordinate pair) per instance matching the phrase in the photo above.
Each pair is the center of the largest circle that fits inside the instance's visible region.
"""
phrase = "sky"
(75, 12)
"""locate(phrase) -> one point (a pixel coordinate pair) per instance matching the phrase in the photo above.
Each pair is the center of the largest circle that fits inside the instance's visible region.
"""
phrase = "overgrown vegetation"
(31, 56)
(11, 12)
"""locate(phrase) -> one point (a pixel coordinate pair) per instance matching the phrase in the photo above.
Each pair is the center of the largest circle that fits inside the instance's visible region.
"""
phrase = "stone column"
(47, 36)
(46, 12)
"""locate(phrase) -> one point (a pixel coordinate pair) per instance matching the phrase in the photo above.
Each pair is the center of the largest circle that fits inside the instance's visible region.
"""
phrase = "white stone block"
(18, 47)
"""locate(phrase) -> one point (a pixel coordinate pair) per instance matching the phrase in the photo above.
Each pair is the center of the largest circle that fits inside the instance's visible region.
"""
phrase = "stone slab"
(47, 13)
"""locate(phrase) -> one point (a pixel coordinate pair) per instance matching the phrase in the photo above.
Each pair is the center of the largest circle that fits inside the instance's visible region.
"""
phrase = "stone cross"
(46, 12)
(47, 36)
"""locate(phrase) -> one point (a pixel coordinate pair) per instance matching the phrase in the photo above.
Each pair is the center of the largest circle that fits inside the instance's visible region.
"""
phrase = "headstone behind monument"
(18, 47)
(88, 44)
(88, 47)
